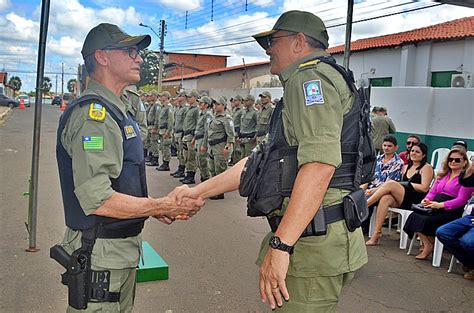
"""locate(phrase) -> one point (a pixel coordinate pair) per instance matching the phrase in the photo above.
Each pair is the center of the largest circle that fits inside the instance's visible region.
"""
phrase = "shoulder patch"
(313, 92)
(309, 63)
(93, 143)
(96, 112)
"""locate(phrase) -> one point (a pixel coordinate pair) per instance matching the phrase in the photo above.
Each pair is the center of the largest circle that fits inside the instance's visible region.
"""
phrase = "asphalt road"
(211, 257)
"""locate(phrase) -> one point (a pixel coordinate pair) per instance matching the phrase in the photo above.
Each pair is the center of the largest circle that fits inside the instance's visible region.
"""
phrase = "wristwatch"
(275, 243)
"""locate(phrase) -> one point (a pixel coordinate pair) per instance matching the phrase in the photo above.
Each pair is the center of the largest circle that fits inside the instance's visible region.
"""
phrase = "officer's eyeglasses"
(270, 40)
(132, 51)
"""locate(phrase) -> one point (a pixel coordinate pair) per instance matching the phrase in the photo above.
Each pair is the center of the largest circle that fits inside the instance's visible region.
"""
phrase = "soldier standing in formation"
(248, 126)
(137, 109)
(178, 133)
(165, 129)
(264, 116)
(153, 147)
(189, 127)
(204, 119)
(236, 116)
(220, 139)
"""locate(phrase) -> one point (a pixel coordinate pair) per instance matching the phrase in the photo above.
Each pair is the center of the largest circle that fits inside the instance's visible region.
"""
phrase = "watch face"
(274, 242)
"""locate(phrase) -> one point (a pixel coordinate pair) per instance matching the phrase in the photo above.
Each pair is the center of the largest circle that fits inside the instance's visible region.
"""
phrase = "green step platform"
(154, 268)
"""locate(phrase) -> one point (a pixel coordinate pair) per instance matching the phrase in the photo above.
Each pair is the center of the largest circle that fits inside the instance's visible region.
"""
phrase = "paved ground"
(211, 257)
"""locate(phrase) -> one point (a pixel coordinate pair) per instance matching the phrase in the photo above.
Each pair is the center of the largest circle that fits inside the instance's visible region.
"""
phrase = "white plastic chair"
(437, 253)
(401, 223)
(437, 158)
(470, 154)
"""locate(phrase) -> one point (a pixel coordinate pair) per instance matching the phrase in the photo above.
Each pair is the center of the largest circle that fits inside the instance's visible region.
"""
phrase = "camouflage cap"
(107, 35)
(193, 93)
(205, 99)
(238, 97)
(266, 94)
(297, 22)
(250, 97)
(165, 94)
(222, 100)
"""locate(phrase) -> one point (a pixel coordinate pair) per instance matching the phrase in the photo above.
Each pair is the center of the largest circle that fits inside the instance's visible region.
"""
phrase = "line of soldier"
(205, 133)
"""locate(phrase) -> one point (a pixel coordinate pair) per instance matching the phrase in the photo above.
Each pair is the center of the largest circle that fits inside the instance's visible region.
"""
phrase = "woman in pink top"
(446, 198)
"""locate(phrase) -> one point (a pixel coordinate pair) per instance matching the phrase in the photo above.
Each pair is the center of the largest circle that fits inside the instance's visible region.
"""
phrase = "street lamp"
(162, 49)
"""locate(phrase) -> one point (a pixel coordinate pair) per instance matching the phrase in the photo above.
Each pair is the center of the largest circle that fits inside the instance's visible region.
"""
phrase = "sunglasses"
(269, 41)
(410, 143)
(455, 160)
(132, 51)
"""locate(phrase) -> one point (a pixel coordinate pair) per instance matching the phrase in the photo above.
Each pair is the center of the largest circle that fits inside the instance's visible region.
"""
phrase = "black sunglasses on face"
(132, 51)
(410, 143)
(455, 160)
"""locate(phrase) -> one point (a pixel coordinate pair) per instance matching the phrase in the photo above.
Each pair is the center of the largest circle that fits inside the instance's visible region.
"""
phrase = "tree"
(149, 69)
(71, 85)
(47, 84)
(15, 82)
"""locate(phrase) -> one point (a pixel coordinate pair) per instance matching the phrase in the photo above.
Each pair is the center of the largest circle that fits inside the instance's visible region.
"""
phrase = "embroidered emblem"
(313, 92)
(129, 132)
(97, 112)
(93, 142)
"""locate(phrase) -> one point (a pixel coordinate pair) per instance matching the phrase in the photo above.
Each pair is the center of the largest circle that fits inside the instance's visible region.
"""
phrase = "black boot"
(164, 167)
(218, 197)
(174, 151)
(180, 172)
(145, 153)
(153, 161)
(189, 179)
(149, 156)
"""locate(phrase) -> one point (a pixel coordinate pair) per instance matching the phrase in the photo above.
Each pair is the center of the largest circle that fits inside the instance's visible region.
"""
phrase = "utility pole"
(62, 78)
(56, 84)
(347, 46)
(162, 50)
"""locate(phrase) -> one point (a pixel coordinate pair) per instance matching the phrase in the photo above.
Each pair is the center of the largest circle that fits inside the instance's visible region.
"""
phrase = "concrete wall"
(412, 65)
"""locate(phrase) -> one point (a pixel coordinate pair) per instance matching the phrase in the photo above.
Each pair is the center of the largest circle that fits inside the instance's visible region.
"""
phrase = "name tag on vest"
(129, 132)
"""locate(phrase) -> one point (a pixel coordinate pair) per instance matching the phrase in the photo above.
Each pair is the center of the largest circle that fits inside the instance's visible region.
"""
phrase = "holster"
(356, 209)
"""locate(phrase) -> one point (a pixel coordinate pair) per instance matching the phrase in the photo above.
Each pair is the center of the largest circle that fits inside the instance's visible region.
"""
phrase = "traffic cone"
(62, 107)
(22, 104)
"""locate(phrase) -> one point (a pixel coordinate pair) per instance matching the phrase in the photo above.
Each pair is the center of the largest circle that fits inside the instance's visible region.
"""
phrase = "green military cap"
(154, 93)
(107, 35)
(238, 97)
(297, 22)
(204, 94)
(258, 101)
(205, 99)
(222, 100)
(165, 94)
(193, 93)
(250, 97)
(266, 94)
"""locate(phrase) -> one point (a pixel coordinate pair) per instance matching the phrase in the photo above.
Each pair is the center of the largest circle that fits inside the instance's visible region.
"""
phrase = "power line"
(34, 72)
(337, 25)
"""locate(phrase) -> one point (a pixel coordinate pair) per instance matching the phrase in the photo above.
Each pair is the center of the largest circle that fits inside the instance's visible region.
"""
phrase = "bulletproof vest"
(132, 178)
(275, 165)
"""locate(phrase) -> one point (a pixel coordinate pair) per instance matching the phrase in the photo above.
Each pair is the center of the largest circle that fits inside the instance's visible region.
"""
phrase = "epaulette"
(309, 63)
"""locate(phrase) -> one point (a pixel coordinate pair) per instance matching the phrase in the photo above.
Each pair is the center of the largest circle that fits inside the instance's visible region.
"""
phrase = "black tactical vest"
(131, 181)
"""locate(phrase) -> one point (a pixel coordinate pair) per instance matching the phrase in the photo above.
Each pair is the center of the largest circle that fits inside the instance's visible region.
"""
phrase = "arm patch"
(97, 112)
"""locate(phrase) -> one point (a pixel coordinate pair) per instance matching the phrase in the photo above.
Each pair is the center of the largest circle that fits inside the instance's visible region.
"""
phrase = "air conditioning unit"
(461, 80)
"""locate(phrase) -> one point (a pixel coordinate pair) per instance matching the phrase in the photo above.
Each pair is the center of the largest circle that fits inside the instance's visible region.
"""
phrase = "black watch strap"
(276, 243)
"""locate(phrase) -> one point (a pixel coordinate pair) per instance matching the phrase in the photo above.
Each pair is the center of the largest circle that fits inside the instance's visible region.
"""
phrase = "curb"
(4, 113)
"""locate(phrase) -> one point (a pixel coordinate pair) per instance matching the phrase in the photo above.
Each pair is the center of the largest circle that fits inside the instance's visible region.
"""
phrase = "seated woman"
(416, 179)
(446, 198)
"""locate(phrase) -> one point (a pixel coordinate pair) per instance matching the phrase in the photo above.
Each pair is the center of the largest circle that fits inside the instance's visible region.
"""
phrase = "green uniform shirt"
(165, 119)
(136, 107)
(248, 121)
(203, 120)
(92, 170)
(220, 127)
(179, 120)
(264, 119)
(153, 113)
(381, 127)
(190, 121)
(315, 125)
(237, 116)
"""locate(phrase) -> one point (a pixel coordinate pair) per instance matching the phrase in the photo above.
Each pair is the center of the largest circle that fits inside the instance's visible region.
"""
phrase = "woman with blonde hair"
(446, 199)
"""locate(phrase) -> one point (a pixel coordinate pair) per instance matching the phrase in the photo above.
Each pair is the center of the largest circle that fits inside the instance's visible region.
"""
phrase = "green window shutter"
(381, 82)
(442, 79)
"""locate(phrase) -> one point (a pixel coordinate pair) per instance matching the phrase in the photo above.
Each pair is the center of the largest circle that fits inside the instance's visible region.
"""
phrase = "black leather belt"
(251, 135)
(217, 141)
(178, 131)
(259, 134)
(332, 214)
(199, 136)
(164, 127)
(189, 132)
(110, 231)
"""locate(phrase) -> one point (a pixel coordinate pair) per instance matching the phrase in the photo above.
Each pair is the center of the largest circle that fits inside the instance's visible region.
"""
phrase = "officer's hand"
(165, 220)
(203, 149)
(272, 277)
(182, 192)
(168, 207)
(226, 151)
(193, 142)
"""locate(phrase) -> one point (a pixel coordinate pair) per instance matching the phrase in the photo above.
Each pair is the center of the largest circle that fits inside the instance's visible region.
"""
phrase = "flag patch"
(93, 143)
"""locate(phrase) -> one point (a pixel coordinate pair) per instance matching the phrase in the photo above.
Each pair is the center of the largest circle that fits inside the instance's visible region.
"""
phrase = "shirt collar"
(290, 69)
(97, 88)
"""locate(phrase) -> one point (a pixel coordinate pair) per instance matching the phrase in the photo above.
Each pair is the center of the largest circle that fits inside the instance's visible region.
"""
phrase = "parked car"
(6, 101)
(26, 99)
(56, 100)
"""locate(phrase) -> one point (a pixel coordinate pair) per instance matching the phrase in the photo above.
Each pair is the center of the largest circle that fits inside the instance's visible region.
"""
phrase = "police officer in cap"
(102, 175)
(307, 271)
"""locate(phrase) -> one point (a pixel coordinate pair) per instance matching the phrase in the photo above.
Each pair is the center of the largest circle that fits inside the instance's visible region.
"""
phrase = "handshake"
(180, 204)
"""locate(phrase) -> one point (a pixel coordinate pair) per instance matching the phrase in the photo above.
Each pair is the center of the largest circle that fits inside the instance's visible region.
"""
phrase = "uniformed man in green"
(189, 127)
(315, 99)
(220, 140)
(153, 114)
(180, 113)
(236, 117)
(248, 126)
(102, 176)
(174, 107)
(264, 116)
(138, 110)
(205, 117)
(165, 129)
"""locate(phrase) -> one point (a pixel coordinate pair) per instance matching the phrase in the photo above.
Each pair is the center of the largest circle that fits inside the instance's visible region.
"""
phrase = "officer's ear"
(300, 43)
(101, 57)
